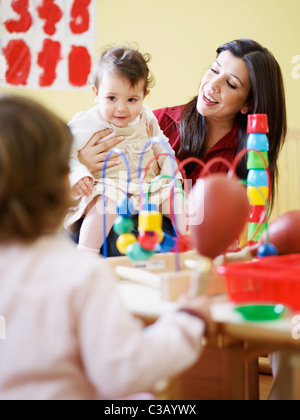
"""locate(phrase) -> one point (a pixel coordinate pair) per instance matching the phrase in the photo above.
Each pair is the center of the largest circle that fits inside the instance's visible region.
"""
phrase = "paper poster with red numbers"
(46, 44)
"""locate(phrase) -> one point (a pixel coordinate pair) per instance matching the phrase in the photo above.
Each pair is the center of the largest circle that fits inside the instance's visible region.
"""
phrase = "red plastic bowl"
(268, 280)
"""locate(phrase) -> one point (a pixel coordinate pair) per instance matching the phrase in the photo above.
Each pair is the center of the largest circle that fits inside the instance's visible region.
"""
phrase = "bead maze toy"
(226, 209)
(151, 237)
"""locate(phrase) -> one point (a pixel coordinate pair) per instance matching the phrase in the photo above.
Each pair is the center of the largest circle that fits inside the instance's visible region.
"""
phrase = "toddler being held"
(121, 83)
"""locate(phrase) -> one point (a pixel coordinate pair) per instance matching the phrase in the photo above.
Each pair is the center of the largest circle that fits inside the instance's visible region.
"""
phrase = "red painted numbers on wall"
(64, 42)
(51, 13)
(80, 18)
(24, 22)
(18, 59)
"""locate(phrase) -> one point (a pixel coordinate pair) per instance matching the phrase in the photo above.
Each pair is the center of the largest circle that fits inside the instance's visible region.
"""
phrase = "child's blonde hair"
(34, 164)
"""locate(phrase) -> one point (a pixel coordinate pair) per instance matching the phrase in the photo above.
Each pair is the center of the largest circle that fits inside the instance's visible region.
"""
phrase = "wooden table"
(228, 366)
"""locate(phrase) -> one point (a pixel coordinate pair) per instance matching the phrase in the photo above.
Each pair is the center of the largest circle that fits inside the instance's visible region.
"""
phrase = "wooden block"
(158, 263)
(175, 284)
(188, 282)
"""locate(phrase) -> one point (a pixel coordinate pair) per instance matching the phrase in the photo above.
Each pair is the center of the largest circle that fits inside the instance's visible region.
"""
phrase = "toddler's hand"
(200, 306)
(83, 188)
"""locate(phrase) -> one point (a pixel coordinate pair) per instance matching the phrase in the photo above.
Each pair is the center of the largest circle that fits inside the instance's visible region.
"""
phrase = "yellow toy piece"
(124, 240)
(160, 236)
(258, 196)
(150, 221)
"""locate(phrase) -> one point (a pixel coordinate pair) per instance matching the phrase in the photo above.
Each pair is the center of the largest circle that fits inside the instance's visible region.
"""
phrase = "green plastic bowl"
(261, 312)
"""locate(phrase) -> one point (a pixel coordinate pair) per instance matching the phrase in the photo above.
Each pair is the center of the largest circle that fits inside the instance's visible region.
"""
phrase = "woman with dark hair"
(207, 127)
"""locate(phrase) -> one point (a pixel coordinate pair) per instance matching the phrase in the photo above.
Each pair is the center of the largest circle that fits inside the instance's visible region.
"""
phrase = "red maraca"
(284, 233)
(226, 211)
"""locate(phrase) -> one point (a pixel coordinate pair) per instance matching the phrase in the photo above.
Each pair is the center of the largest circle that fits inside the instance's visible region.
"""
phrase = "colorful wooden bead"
(258, 141)
(267, 250)
(253, 227)
(258, 196)
(123, 225)
(150, 221)
(124, 241)
(136, 253)
(160, 235)
(148, 240)
(184, 243)
(150, 207)
(257, 178)
(255, 160)
(257, 123)
(167, 244)
(125, 207)
(258, 214)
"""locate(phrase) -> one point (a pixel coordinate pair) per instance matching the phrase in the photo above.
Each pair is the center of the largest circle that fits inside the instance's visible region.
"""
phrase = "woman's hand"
(83, 188)
(93, 154)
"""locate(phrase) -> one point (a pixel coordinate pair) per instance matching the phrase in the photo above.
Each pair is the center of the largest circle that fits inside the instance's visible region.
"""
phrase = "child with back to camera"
(68, 333)
(120, 85)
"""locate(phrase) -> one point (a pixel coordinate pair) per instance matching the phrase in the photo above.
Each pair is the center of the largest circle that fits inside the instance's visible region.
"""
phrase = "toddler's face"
(119, 103)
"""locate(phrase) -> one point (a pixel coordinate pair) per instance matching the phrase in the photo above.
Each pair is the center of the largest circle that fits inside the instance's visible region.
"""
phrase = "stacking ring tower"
(258, 180)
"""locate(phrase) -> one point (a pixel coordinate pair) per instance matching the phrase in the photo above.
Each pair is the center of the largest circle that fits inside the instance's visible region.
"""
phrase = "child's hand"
(83, 188)
(200, 306)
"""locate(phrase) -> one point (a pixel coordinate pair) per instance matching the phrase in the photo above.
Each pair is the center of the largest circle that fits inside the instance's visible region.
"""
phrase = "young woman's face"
(224, 88)
(119, 103)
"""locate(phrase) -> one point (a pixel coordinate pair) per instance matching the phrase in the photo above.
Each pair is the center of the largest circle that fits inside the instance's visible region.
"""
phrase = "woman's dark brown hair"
(266, 97)
(34, 164)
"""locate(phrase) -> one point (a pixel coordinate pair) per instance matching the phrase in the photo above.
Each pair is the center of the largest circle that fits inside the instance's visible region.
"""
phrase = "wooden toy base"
(175, 284)
(159, 263)
(160, 273)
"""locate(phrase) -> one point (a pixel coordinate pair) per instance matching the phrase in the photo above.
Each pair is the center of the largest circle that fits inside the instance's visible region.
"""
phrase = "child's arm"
(119, 356)
(83, 126)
